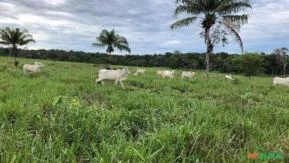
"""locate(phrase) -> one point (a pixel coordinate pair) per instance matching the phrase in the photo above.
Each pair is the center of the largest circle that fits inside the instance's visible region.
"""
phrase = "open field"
(62, 115)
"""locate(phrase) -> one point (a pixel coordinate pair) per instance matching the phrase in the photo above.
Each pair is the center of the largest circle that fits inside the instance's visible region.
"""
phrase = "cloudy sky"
(74, 24)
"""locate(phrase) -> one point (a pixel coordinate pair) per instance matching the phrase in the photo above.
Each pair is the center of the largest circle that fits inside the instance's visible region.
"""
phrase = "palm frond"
(24, 36)
(4, 43)
(122, 40)
(239, 19)
(234, 32)
(26, 41)
(229, 6)
(188, 9)
(122, 47)
(183, 22)
(98, 44)
(6, 36)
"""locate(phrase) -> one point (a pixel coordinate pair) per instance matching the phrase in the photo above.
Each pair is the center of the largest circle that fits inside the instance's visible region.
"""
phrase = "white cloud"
(35, 19)
(5, 5)
(41, 36)
(171, 42)
(59, 13)
(55, 2)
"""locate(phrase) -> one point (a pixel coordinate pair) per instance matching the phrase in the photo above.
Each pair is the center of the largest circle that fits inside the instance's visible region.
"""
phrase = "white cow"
(159, 72)
(187, 74)
(229, 77)
(281, 81)
(166, 73)
(32, 68)
(140, 71)
(38, 63)
(118, 75)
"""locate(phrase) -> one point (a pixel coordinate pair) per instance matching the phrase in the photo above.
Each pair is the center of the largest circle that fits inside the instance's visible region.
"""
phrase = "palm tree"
(14, 38)
(111, 40)
(282, 55)
(213, 15)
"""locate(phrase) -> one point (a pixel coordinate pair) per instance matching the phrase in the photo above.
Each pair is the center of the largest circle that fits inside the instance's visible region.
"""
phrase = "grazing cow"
(281, 81)
(166, 73)
(29, 68)
(38, 63)
(229, 77)
(118, 75)
(140, 71)
(159, 72)
(187, 74)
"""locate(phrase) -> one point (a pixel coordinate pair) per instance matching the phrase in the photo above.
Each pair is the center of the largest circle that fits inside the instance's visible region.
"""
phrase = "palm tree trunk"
(284, 68)
(109, 58)
(10, 53)
(108, 64)
(209, 51)
(14, 52)
(15, 59)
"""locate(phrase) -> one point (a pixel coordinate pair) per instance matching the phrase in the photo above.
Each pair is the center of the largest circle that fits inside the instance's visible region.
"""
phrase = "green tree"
(111, 40)
(218, 19)
(250, 64)
(282, 57)
(14, 38)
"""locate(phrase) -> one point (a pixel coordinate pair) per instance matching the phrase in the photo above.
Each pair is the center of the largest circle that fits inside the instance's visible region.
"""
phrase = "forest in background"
(248, 64)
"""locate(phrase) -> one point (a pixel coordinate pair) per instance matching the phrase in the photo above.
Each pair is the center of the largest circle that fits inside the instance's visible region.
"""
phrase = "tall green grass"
(61, 115)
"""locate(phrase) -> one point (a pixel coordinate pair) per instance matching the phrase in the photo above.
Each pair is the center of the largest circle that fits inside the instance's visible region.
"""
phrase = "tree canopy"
(218, 18)
(111, 40)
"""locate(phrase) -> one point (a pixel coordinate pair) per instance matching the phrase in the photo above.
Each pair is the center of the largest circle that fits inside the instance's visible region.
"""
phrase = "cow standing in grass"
(140, 71)
(159, 72)
(229, 77)
(187, 74)
(118, 76)
(166, 73)
(281, 81)
(32, 68)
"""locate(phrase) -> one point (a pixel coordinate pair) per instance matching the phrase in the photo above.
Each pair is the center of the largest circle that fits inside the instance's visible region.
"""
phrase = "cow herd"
(119, 75)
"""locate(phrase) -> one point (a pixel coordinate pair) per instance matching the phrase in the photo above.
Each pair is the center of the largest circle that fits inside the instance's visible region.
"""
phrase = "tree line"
(249, 64)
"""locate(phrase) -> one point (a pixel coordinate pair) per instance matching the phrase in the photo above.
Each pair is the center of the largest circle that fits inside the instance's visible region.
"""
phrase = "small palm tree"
(213, 15)
(111, 40)
(14, 38)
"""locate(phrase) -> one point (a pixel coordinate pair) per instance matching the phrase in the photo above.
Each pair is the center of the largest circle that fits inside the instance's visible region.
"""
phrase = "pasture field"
(61, 115)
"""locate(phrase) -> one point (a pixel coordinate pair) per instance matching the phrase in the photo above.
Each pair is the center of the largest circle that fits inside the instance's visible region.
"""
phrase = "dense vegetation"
(270, 64)
(62, 115)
